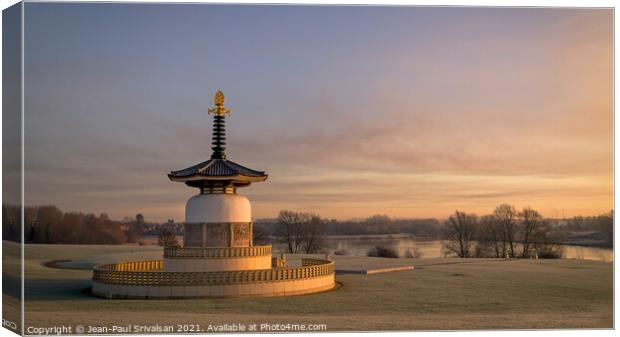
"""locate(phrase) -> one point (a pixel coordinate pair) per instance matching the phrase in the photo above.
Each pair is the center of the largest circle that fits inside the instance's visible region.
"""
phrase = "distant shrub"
(413, 253)
(341, 252)
(550, 252)
(380, 251)
(167, 237)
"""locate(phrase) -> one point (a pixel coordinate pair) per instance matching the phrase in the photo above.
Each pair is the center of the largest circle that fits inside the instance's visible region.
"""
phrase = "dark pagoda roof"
(217, 169)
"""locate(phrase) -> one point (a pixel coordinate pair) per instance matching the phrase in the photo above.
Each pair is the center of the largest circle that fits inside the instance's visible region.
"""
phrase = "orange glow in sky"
(352, 111)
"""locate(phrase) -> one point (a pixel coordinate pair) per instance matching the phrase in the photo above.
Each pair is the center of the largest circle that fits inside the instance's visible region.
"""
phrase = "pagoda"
(218, 257)
(218, 216)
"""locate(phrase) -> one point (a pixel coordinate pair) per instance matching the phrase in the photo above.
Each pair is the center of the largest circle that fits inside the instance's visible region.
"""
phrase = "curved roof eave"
(237, 177)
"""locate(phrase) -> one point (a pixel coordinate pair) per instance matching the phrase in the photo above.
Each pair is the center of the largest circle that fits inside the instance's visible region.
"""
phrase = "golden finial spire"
(219, 109)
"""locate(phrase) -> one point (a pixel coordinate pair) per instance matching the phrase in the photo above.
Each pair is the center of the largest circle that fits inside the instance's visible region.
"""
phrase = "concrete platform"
(373, 270)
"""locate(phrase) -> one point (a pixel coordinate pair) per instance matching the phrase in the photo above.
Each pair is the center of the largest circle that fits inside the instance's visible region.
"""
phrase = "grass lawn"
(439, 294)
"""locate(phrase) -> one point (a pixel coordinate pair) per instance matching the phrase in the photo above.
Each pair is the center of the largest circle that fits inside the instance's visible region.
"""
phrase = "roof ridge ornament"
(219, 109)
(219, 126)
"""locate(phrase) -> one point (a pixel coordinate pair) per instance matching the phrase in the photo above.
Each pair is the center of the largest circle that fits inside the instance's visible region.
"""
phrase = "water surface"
(358, 245)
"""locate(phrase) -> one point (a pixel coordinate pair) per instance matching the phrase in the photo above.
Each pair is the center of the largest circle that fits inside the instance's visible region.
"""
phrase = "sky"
(411, 112)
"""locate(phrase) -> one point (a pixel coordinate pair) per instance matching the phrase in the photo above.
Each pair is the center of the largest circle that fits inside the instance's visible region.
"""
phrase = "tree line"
(373, 225)
(383, 224)
(589, 230)
(506, 233)
(303, 232)
(50, 225)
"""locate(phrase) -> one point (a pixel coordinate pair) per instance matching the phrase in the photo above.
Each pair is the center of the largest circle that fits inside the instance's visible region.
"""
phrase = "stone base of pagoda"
(208, 259)
(146, 280)
(263, 289)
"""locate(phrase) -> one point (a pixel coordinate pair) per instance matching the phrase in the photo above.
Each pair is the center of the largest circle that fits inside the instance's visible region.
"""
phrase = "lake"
(358, 245)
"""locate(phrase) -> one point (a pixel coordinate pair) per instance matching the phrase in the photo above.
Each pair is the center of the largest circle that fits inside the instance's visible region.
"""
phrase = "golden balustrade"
(215, 252)
(150, 273)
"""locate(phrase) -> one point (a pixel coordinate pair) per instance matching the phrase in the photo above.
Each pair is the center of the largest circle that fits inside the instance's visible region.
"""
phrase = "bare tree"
(301, 232)
(314, 233)
(459, 231)
(606, 226)
(290, 230)
(547, 244)
(167, 237)
(530, 228)
(489, 236)
(507, 217)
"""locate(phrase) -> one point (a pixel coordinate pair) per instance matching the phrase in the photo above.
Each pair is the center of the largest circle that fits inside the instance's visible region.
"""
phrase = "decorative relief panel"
(193, 235)
(218, 235)
(241, 234)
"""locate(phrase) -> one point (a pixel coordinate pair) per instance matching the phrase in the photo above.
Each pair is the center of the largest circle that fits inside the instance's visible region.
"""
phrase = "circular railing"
(150, 273)
(215, 252)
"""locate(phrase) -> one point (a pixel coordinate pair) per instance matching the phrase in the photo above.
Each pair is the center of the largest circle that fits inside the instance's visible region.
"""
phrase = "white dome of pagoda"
(218, 208)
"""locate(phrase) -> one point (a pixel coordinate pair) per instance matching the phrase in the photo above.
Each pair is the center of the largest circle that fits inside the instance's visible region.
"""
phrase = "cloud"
(412, 118)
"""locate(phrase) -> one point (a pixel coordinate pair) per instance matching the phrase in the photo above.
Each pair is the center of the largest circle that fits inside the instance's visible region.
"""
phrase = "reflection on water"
(358, 245)
(588, 253)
